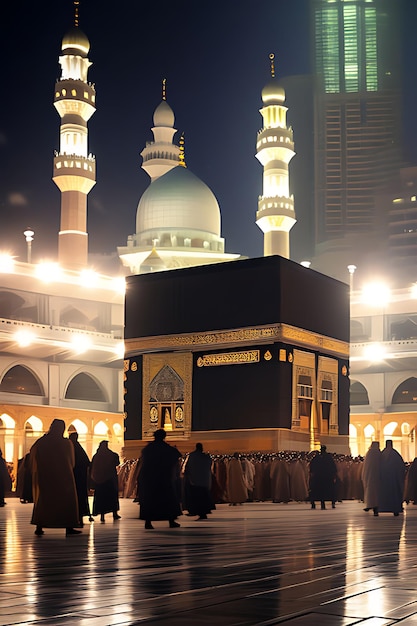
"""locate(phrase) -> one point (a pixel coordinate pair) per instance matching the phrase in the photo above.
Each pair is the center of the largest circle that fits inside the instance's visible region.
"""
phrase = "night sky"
(214, 55)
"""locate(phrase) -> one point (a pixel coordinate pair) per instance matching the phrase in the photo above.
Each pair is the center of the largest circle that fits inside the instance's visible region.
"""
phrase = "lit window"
(73, 92)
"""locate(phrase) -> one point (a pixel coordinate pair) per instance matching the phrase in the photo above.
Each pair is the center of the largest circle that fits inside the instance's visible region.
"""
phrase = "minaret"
(275, 149)
(161, 155)
(74, 168)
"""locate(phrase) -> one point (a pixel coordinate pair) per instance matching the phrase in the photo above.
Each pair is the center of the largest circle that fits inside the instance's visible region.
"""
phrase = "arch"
(166, 386)
(405, 428)
(10, 303)
(118, 430)
(6, 421)
(406, 393)
(369, 431)
(78, 426)
(390, 428)
(34, 423)
(356, 330)
(75, 318)
(101, 429)
(358, 394)
(84, 387)
(353, 440)
(20, 379)
(404, 329)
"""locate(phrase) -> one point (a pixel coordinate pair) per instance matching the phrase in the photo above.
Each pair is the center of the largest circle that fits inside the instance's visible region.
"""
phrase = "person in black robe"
(5, 480)
(81, 475)
(391, 494)
(157, 488)
(197, 483)
(323, 474)
(105, 482)
(24, 480)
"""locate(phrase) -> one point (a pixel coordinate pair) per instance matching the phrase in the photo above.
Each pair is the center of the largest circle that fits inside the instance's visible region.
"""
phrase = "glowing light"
(376, 294)
(80, 343)
(48, 272)
(89, 278)
(119, 350)
(414, 291)
(24, 338)
(6, 264)
(305, 263)
(374, 352)
(119, 285)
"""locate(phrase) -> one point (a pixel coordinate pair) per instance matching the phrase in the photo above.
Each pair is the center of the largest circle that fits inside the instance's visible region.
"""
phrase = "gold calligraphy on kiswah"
(229, 358)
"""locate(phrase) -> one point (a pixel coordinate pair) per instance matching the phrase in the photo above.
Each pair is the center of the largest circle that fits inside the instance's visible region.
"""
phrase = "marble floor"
(259, 563)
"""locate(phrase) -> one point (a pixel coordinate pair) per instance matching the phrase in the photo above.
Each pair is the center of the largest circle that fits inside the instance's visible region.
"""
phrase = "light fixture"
(24, 338)
(29, 233)
(376, 294)
(80, 343)
(374, 352)
(6, 264)
(48, 272)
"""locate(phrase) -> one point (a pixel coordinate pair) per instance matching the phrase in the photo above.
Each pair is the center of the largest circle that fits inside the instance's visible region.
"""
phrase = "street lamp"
(29, 233)
(351, 270)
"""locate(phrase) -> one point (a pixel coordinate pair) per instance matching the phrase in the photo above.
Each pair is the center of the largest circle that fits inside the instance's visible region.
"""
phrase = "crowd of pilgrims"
(280, 477)
(277, 477)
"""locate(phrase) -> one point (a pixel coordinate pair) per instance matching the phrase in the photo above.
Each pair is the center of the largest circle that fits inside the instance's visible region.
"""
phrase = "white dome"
(178, 200)
(164, 115)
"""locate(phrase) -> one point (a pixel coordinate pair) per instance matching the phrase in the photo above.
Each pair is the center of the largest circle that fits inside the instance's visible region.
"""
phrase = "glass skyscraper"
(357, 119)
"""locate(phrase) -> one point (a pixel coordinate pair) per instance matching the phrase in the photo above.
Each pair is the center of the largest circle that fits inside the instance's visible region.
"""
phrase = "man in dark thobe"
(197, 479)
(323, 473)
(391, 493)
(55, 503)
(157, 489)
(81, 475)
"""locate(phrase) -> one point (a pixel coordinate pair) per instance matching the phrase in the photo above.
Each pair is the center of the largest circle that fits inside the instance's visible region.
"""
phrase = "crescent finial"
(272, 61)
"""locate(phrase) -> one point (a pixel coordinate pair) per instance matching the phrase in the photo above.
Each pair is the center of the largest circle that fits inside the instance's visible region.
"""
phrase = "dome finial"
(181, 155)
(272, 61)
(164, 89)
(76, 12)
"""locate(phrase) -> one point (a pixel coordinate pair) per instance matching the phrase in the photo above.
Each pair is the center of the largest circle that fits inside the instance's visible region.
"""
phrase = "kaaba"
(248, 355)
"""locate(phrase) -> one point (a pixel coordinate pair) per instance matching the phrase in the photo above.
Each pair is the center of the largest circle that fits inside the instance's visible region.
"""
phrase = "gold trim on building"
(238, 337)
(229, 358)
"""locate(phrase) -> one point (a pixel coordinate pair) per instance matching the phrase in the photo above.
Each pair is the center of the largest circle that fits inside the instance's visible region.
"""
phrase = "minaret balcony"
(274, 205)
(74, 172)
(75, 97)
(275, 140)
